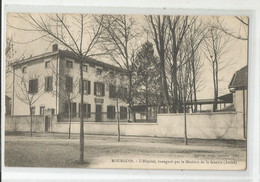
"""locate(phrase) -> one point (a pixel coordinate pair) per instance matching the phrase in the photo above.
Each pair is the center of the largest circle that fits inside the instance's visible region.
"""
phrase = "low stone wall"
(217, 125)
(220, 125)
(22, 123)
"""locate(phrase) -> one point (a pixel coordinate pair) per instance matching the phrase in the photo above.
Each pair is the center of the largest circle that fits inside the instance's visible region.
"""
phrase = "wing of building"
(54, 76)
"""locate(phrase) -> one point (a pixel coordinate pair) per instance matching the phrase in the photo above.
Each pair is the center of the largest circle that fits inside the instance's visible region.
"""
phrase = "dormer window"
(85, 68)
(24, 69)
(47, 64)
(69, 64)
(99, 71)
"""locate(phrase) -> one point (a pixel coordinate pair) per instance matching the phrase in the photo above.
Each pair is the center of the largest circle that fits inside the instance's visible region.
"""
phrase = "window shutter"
(50, 83)
(36, 85)
(108, 111)
(95, 88)
(85, 87)
(71, 84)
(79, 110)
(79, 86)
(89, 111)
(46, 84)
(89, 87)
(30, 86)
(103, 89)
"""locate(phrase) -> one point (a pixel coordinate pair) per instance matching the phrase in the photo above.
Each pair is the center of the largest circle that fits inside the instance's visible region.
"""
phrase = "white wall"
(224, 125)
(35, 68)
(202, 125)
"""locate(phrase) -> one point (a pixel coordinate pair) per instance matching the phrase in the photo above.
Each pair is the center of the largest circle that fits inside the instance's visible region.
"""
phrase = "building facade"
(51, 82)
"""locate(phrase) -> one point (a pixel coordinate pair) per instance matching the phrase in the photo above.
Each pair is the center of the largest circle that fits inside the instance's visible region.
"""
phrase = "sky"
(236, 57)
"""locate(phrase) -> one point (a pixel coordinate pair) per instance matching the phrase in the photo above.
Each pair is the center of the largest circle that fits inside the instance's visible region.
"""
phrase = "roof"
(239, 79)
(207, 101)
(69, 54)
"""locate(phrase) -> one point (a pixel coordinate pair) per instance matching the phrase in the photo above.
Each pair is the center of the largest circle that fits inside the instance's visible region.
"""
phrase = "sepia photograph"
(122, 91)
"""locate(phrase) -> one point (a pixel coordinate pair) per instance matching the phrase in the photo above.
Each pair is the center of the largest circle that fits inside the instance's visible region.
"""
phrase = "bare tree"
(117, 86)
(78, 33)
(158, 28)
(64, 88)
(119, 41)
(241, 33)
(195, 36)
(215, 47)
(30, 90)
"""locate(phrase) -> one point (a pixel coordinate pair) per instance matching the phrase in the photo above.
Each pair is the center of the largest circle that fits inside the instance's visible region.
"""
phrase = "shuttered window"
(86, 88)
(112, 91)
(111, 112)
(33, 86)
(69, 84)
(123, 112)
(84, 110)
(48, 84)
(99, 89)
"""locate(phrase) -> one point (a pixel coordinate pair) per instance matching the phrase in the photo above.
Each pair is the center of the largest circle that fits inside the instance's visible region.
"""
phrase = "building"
(238, 87)
(51, 76)
(8, 105)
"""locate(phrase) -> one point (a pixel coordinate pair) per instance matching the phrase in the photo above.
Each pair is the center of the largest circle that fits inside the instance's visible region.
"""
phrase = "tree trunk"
(175, 86)
(69, 119)
(194, 82)
(185, 120)
(118, 122)
(214, 69)
(81, 159)
(31, 123)
(146, 99)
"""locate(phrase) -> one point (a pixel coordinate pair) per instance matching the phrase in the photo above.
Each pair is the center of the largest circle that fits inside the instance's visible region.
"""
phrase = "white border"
(250, 8)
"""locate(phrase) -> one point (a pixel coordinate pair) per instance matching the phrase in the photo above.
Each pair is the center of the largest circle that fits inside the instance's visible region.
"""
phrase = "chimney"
(54, 47)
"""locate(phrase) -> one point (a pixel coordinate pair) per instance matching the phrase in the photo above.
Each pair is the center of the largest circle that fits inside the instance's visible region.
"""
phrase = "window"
(42, 110)
(99, 89)
(122, 93)
(85, 68)
(86, 88)
(89, 111)
(99, 71)
(47, 64)
(112, 91)
(123, 112)
(33, 86)
(73, 107)
(48, 83)
(24, 69)
(69, 64)
(86, 113)
(33, 110)
(69, 84)
(111, 112)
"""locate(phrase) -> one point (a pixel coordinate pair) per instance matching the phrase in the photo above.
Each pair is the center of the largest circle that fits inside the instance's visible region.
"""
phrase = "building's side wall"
(91, 99)
(34, 69)
(238, 100)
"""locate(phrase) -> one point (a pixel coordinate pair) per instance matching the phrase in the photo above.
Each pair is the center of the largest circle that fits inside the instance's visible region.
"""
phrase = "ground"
(56, 150)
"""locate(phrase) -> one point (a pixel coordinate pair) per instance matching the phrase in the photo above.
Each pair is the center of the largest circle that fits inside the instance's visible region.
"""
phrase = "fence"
(140, 117)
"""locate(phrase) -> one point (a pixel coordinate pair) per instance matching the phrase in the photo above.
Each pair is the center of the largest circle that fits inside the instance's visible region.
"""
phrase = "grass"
(56, 150)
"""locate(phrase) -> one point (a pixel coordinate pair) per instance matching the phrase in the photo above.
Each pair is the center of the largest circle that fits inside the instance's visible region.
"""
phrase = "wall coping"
(109, 123)
(198, 113)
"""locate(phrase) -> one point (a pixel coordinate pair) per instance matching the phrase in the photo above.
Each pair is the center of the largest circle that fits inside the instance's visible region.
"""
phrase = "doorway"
(47, 123)
(98, 113)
